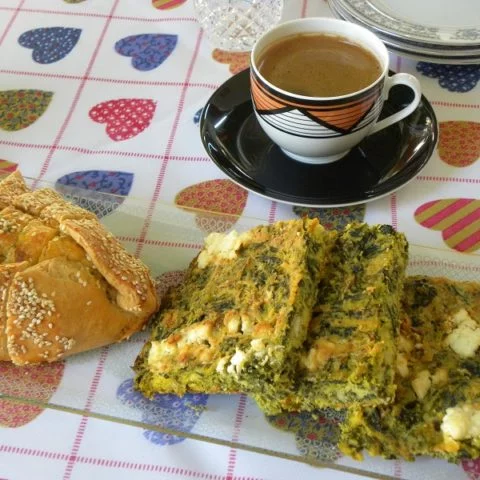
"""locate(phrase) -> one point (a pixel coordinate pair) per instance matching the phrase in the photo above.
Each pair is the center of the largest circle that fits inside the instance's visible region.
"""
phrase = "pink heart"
(125, 118)
(472, 468)
(36, 382)
(211, 198)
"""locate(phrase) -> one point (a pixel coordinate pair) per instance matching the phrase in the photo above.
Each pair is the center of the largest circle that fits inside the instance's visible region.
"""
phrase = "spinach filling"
(412, 424)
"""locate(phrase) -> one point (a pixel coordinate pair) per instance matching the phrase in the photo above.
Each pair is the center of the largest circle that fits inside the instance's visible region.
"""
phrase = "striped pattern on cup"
(313, 117)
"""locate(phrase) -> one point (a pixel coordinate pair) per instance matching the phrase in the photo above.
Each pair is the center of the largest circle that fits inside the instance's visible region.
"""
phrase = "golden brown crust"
(11, 187)
(12, 222)
(66, 284)
(128, 275)
(7, 273)
(32, 241)
(34, 202)
(52, 296)
(55, 213)
(64, 246)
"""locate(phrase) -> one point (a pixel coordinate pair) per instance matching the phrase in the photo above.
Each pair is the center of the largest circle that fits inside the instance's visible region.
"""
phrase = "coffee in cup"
(318, 65)
(318, 87)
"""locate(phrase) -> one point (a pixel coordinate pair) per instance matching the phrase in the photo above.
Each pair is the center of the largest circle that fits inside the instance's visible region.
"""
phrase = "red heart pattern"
(237, 61)
(36, 382)
(124, 118)
(472, 468)
(459, 144)
(457, 218)
(215, 196)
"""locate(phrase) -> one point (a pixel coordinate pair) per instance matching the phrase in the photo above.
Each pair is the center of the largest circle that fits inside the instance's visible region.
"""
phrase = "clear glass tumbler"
(235, 25)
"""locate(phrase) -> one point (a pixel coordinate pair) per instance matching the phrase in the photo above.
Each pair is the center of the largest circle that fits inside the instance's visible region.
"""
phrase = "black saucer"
(379, 165)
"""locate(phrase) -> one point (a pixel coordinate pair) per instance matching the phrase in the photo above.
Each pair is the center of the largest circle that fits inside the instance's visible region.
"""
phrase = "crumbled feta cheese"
(232, 322)
(158, 351)
(257, 344)
(219, 246)
(402, 365)
(421, 384)
(461, 422)
(461, 316)
(221, 365)
(237, 362)
(465, 339)
(195, 341)
(195, 334)
(247, 325)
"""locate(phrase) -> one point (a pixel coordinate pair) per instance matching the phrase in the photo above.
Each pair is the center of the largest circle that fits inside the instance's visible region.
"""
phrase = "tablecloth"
(106, 95)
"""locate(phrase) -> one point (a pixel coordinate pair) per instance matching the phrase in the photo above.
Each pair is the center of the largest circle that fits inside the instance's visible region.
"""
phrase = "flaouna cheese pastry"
(66, 284)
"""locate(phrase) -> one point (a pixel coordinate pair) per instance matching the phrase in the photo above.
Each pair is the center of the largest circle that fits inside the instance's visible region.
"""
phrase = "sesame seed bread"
(125, 273)
(11, 187)
(34, 202)
(43, 293)
(7, 272)
(55, 213)
(12, 222)
(66, 284)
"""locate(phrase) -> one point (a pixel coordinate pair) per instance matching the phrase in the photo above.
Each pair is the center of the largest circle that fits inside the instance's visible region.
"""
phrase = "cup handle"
(399, 79)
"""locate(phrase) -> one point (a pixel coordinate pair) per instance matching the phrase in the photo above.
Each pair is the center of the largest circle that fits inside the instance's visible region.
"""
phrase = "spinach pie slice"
(436, 410)
(241, 313)
(349, 355)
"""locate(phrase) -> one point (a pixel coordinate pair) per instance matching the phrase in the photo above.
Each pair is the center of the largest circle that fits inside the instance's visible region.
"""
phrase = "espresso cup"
(324, 129)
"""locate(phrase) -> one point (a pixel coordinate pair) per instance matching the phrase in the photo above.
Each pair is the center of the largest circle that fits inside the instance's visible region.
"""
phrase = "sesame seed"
(29, 306)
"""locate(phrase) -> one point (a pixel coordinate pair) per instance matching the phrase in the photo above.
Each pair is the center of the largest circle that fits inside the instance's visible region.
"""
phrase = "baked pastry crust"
(11, 187)
(66, 284)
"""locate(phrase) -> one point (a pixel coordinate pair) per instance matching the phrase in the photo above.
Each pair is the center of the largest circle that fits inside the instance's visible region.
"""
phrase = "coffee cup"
(318, 86)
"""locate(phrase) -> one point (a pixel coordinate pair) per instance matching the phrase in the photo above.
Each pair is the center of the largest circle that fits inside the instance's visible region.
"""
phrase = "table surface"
(105, 116)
